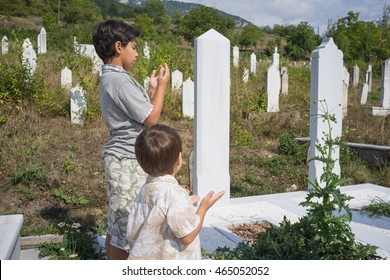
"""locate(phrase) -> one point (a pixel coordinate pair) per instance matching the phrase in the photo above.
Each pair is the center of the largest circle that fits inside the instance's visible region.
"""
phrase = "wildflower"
(73, 256)
(61, 224)
(62, 249)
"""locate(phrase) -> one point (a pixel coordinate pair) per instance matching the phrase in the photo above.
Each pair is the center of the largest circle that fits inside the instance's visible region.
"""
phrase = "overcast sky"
(315, 12)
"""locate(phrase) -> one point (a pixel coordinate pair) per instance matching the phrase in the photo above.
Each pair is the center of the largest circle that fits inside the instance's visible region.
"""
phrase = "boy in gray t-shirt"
(126, 108)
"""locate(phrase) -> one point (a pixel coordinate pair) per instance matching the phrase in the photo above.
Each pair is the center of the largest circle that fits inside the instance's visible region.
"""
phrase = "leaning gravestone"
(78, 104)
(345, 91)
(212, 114)
(326, 85)
(273, 84)
(188, 98)
(253, 63)
(29, 57)
(364, 94)
(236, 56)
(177, 81)
(4, 45)
(66, 78)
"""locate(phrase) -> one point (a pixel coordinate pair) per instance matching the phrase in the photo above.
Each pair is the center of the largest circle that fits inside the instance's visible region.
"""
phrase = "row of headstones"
(41, 43)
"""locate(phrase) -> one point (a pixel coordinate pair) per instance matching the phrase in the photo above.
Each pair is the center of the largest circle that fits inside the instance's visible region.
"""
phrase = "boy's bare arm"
(205, 205)
(157, 99)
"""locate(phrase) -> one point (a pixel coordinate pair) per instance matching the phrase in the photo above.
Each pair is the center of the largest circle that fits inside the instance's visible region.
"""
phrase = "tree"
(144, 23)
(200, 20)
(250, 35)
(156, 10)
(302, 40)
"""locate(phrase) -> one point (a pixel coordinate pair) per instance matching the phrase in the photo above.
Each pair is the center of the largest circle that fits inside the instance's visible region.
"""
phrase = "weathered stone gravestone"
(272, 85)
(355, 75)
(364, 94)
(4, 45)
(66, 78)
(212, 114)
(177, 81)
(384, 109)
(253, 63)
(146, 50)
(29, 57)
(275, 57)
(245, 75)
(345, 91)
(42, 41)
(188, 98)
(236, 56)
(284, 80)
(326, 93)
(78, 104)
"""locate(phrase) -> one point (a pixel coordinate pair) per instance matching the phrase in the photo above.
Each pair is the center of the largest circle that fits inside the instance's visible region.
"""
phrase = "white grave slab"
(66, 78)
(284, 80)
(188, 98)
(236, 56)
(177, 81)
(4, 45)
(42, 41)
(146, 50)
(253, 63)
(355, 75)
(212, 114)
(364, 94)
(78, 104)
(326, 84)
(345, 91)
(273, 85)
(245, 75)
(29, 57)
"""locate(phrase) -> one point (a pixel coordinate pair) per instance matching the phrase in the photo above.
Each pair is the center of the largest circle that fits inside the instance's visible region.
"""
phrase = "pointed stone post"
(236, 56)
(327, 85)
(253, 63)
(188, 98)
(212, 114)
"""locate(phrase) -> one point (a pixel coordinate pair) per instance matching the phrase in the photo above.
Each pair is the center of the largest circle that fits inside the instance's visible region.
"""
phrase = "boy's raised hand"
(210, 199)
(163, 75)
(152, 84)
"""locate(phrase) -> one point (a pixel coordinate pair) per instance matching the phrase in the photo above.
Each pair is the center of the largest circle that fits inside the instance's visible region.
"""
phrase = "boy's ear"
(118, 46)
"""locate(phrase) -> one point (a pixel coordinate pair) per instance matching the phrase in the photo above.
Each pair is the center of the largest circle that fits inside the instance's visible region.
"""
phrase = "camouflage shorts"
(124, 179)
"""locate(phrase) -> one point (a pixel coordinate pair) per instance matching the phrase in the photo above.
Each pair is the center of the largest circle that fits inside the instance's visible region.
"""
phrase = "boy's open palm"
(210, 199)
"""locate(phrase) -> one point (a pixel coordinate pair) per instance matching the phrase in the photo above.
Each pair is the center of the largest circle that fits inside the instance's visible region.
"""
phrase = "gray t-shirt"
(125, 105)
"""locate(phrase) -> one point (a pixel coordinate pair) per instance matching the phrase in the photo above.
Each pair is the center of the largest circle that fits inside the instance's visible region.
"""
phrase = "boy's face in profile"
(128, 55)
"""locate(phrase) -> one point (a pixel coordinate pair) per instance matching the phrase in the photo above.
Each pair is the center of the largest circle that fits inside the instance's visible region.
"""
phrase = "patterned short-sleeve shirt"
(162, 214)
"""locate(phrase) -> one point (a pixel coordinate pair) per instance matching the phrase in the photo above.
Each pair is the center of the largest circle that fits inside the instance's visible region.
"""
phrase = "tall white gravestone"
(355, 75)
(345, 91)
(42, 41)
(275, 57)
(4, 45)
(273, 85)
(384, 110)
(66, 78)
(177, 81)
(29, 57)
(326, 85)
(78, 104)
(253, 63)
(188, 98)
(364, 94)
(212, 114)
(236, 56)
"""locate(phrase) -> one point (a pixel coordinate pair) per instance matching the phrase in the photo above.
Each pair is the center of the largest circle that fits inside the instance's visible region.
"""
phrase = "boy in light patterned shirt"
(164, 224)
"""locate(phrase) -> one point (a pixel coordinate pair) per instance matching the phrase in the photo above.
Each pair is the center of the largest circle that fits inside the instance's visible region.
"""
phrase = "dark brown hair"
(157, 149)
(107, 33)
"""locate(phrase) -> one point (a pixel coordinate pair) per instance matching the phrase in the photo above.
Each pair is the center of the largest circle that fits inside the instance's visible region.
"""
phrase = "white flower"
(73, 256)
(76, 225)
(61, 224)
(62, 249)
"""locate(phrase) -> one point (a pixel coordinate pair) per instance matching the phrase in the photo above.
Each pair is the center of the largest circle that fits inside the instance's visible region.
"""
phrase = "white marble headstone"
(188, 98)
(284, 80)
(66, 78)
(275, 57)
(273, 84)
(364, 94)
(212, 114)
(29, 57)
(253, 63)
(78, 104)
(345, 91)
(355, 75)
(245, 75)
(177, 81)
(326, 85)
(385, 87)
(4, 45)
(42, 41)
(236, 56)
